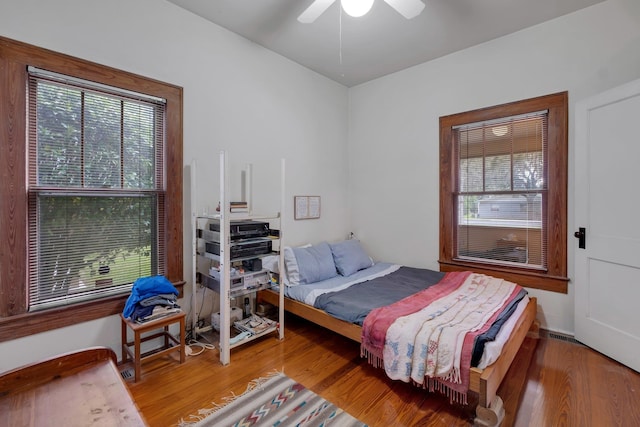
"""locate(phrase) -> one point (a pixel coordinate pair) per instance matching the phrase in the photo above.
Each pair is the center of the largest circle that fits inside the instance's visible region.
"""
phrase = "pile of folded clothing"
(151, 298)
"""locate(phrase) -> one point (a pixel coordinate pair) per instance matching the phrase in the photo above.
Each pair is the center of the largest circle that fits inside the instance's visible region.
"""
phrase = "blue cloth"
(147, 287)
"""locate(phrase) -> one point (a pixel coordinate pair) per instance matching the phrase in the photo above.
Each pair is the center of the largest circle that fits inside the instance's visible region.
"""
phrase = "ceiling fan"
(407, 8)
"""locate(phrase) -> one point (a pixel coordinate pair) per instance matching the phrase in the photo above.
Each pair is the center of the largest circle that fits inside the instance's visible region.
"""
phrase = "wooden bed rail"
(314, 315)
(489, 379)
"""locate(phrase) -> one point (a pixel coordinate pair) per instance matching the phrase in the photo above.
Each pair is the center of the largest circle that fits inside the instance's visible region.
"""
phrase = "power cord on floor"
(189, 351)
(191, 341)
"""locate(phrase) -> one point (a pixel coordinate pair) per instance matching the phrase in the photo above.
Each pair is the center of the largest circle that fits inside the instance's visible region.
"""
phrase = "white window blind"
(502, 190)
(96, 189)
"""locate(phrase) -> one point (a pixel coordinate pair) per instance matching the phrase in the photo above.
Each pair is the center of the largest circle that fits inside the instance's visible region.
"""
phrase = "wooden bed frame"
(79, 388)
(485, 382)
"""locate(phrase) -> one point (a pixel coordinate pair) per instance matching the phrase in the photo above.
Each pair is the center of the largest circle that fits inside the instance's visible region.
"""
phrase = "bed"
(324, 280)
(74, 389)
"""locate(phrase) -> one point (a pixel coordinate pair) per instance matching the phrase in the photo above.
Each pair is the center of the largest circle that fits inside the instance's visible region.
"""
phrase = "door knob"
(581, 235)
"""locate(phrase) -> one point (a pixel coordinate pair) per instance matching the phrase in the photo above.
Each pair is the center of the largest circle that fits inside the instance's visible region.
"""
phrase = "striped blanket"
(275, 400)
(428, 337)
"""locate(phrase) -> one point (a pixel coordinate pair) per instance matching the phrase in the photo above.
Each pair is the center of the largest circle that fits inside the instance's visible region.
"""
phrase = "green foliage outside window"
(88, 142)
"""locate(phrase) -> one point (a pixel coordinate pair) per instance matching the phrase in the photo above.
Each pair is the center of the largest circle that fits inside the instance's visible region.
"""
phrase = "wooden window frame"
(15, 57)
(555, 212)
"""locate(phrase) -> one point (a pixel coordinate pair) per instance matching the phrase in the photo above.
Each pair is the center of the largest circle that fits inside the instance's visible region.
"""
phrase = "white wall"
(393, 125)
(237, 97)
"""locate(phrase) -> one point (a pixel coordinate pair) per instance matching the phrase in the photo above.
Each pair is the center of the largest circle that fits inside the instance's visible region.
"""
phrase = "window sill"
(26, 324)
(500, 223)
(526, 278)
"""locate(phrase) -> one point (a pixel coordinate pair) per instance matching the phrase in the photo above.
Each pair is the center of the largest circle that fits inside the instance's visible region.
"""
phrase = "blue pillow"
(310, 264)
(349, 257)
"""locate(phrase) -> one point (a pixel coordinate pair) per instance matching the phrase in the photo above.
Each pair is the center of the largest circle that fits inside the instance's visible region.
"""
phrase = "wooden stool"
(140, 328)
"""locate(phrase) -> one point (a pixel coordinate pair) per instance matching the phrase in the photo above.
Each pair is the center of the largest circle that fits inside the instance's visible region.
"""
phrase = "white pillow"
(272, 263)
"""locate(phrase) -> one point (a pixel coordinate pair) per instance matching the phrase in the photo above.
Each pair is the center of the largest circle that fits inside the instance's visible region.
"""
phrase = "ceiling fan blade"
(407, 8)
(316, 9)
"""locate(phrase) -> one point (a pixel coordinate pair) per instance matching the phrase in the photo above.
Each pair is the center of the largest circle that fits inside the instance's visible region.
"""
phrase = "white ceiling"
(355, 50)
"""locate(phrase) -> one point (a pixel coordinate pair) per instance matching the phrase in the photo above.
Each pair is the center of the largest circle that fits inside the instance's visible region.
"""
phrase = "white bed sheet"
(492, 349)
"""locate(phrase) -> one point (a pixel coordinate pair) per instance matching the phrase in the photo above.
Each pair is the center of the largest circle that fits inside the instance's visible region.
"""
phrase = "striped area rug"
(274, 401)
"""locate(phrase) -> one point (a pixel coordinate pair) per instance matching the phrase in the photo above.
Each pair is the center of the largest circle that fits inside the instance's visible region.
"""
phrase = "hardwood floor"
(551, 383)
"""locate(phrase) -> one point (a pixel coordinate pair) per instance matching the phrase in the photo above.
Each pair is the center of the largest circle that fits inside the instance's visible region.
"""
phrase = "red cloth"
(467, 352)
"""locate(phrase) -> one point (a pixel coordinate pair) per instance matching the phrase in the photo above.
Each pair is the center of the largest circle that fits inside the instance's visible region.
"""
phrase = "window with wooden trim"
(503, 177)
(90, 189)
(96, 189)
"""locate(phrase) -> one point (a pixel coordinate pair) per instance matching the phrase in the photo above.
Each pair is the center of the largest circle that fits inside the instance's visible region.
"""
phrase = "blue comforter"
(354, 303)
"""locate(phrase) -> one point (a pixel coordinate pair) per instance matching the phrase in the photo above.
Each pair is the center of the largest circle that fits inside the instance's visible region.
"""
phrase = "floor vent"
(559, 336)
(126, 374)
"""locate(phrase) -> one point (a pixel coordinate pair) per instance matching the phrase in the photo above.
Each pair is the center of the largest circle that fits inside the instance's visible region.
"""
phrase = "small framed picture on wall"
(306, 207)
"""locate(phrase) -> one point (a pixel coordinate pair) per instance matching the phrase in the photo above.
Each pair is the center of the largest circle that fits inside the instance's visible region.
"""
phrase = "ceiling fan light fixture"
(356, 8)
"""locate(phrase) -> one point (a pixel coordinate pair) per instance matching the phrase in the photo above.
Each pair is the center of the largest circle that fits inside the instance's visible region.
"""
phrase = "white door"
(607, 182)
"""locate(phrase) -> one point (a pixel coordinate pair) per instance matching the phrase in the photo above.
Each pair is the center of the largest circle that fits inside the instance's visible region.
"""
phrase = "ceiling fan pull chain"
(340, 48)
